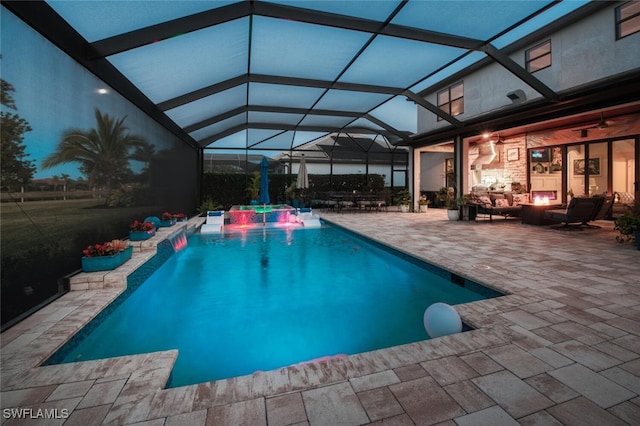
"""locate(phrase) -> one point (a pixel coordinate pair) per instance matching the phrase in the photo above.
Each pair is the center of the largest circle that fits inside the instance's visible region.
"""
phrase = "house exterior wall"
(582, 53)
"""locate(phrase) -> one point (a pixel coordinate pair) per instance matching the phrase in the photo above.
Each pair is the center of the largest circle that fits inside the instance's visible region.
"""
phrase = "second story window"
(451, 99)
(627, 19)
(538, 57)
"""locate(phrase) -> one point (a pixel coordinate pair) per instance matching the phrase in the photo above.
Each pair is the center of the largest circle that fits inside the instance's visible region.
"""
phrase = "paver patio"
(563, 347)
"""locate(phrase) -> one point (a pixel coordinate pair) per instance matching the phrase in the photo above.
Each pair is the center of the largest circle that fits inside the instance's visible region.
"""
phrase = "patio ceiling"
(275, 75)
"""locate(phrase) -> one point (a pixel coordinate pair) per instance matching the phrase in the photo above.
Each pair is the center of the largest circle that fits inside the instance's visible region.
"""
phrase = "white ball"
(441, 319)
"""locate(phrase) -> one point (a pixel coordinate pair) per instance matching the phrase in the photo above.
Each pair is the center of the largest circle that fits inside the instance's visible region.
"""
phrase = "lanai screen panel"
(481, 20)
(297, 49)
(187, 62)
(96, 20)
(283, 96)
(406, 62)
(201, 109)
(343, 100)
(397, 112)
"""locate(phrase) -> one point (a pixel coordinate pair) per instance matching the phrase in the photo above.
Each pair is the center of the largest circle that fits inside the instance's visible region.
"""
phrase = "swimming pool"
(262, 299)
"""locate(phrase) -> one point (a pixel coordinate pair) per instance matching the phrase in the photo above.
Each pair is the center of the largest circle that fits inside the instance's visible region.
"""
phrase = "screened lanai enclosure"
(121, 109)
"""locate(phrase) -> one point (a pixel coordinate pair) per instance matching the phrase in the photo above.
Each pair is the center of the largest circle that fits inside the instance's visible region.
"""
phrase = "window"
(451, 100)
(627, 19)
(538, 57)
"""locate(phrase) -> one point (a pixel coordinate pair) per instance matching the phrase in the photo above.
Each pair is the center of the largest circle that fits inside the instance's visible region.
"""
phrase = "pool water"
(237, 303)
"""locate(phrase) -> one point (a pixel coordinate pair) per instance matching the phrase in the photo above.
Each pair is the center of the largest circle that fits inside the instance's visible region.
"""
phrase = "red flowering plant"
(108, 248)
(138, 226)
(167, 216)
(180, 216)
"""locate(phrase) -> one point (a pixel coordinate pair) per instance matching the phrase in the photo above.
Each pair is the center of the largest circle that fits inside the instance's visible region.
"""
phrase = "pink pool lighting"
(260, 214)
(178, 241)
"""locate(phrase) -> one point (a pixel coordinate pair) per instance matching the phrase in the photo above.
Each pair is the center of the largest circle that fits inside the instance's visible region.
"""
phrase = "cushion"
(494, 197)
(518, 199)
(509, 197)
(215, 213)
(625, 198)
(485, 200)
(502, 202)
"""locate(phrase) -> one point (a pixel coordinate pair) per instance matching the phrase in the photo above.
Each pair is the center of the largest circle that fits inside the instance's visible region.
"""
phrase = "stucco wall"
(582, 53)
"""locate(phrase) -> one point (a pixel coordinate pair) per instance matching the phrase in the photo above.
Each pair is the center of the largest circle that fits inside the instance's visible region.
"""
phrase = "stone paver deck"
(563, 347)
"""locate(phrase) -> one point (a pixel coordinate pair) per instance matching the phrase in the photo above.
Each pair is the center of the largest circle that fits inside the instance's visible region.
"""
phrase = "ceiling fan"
(602, 124)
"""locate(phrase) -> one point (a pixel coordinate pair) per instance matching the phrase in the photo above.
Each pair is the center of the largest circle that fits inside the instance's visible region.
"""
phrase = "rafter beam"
(271, 126)
(203, 92)
(154, 33)
(301, 111)
(520, 72)
(274, 109)
(431, 107)
(403, 135)
(269, 79)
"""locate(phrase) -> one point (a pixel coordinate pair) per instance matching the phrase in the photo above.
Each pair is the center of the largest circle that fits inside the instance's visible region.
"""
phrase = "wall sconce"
(517, 96)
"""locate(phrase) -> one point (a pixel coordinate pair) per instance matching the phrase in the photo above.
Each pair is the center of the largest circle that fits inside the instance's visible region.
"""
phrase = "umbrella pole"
(264, 215)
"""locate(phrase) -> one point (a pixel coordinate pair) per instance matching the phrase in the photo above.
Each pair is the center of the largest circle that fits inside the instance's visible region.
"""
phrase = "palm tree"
(144, 153)
(103, 152)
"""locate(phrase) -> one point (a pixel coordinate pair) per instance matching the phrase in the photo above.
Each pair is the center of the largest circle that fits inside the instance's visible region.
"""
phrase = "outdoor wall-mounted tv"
(541, 155)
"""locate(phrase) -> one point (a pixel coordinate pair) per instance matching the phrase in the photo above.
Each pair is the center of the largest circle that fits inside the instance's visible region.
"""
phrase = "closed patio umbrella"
(303, 177)
(264, 181)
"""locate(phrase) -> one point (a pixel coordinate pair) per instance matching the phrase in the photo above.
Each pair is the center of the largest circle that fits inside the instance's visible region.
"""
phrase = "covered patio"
(562, 347)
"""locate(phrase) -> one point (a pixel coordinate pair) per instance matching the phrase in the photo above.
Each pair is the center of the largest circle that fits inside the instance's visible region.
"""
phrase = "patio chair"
(603, 212)
(306, 217)
(214, 223)
(578, 214)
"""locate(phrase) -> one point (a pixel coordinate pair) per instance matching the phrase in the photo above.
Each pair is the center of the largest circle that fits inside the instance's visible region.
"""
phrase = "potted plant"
(628, 225)
(447, 196)
(208, 204)
(106, 256)
(140, 231)
(167, 219)
(291, 195)
(404, 200)
(180, 217)
(467, 208)
(423, 203)
(253, 189)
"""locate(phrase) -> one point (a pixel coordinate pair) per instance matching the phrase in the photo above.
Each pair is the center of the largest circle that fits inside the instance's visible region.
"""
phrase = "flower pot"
(453, 214)
(141, 235)
(404, 208)
(166, 223)
(106, 263)
(423, 208)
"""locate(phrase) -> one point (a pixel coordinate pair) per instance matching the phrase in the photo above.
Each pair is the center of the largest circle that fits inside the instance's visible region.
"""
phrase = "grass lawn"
(25, 224)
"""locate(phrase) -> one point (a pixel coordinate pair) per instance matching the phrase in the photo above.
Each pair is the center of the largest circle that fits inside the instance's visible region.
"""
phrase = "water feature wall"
(246, 215)
(178, 240)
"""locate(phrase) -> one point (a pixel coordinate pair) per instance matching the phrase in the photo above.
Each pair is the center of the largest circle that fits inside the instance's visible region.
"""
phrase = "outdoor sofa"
(504, 204)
